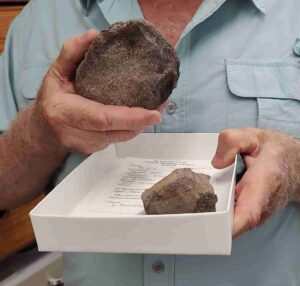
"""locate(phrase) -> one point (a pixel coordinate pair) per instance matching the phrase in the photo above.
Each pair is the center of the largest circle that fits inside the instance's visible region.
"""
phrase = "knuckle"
(51, 114)
(104, 122)
(277, 172)
(101, 124)
(235, 141)
(227, 136)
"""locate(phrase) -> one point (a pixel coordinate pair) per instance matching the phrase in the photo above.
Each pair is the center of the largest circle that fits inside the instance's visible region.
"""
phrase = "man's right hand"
(58, 122)
(73, 123)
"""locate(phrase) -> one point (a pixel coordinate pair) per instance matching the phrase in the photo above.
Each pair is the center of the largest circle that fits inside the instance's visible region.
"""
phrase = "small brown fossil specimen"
(129, 64)
(183, 191)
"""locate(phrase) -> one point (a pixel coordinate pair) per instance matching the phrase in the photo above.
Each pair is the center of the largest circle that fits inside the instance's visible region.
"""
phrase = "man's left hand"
(272, 178)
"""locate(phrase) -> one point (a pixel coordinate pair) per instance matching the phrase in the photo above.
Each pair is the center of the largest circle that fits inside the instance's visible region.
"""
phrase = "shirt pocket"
(30, 81)
(275, 84)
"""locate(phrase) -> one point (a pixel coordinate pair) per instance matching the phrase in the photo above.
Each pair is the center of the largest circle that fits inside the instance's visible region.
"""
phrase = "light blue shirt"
(240, 66)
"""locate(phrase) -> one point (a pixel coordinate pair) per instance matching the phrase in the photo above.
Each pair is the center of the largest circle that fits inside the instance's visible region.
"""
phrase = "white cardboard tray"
(63, 221)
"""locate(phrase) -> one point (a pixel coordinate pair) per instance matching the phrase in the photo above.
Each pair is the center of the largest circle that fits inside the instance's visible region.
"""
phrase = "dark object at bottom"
(183, 191)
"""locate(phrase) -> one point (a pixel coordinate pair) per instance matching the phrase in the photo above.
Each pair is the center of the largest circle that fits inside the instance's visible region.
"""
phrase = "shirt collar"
(208, 7)
(87, 4)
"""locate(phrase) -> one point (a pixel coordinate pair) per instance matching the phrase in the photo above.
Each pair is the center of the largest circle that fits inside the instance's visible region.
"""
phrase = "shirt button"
(158, 267)
(55, 282)
(297, 47)
(171, 108)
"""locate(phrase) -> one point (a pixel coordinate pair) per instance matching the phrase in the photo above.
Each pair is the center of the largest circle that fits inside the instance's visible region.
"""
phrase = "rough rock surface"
(128, 64)
(183, 191)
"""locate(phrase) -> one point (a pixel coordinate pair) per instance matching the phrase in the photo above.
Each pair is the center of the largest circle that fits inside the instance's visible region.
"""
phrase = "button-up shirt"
(240, 67)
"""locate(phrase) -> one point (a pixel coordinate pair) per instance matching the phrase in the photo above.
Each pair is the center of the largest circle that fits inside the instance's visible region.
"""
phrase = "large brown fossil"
(128, 64)
(182, 191)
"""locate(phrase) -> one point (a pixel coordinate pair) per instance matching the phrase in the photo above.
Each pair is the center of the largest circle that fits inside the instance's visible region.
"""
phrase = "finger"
(238, 189)
(72, 53)
(232, 142)
(129, 118)
(78, 112)
(88, 142)
(252, 199)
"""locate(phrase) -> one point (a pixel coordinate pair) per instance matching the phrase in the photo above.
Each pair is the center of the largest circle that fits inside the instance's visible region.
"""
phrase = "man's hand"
(75, 123)
(272, 178)
(60, 121)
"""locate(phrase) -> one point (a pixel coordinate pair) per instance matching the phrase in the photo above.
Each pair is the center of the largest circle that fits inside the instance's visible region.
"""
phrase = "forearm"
(28, 157)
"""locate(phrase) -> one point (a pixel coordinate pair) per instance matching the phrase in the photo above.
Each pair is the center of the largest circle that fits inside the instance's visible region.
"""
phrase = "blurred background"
(20, 262)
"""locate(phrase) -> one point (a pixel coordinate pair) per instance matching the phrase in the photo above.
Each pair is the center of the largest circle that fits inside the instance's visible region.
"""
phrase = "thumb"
(72, 53)
(235, 141)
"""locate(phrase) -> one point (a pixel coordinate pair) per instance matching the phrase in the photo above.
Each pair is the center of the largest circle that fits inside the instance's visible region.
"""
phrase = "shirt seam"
(282, 120)
(257, 63)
